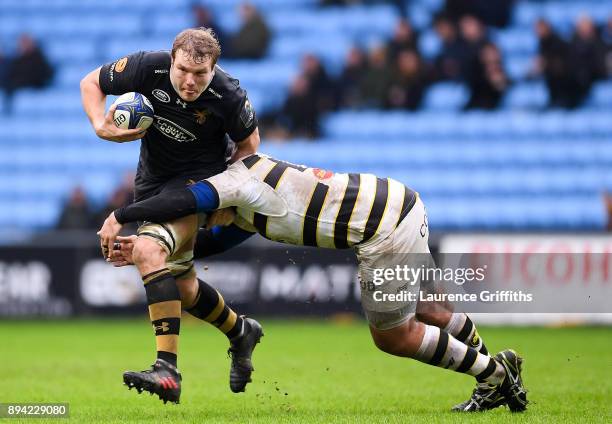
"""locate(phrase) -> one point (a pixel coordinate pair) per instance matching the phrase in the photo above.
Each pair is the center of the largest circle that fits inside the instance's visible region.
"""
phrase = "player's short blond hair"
(199, 44)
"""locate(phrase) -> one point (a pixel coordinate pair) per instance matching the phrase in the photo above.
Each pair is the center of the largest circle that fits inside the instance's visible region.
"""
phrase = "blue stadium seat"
(516, 41)
(119, 47)
(288, 23)
(71, 50)
(430, 44)
(532, 95)
(165, 25)
(601, 95)
(263, 5)
(52, 8)
(331, 50)
(446, 96)
(526, 13)
(356, 22)
(33, 214)
(262, 73)
(86, 26)
(52, 102)
(518, 66)
(69, 76)
(419, 15)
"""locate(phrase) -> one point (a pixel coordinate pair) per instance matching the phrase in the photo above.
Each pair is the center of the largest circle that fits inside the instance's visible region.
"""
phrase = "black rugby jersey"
(186, 137)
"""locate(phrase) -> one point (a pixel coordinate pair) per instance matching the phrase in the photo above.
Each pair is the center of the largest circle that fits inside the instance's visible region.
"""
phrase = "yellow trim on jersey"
(274, 188)
(314, 187)
(348, 224)
(319, 221)
(386, 206)
(371, 206)
(333, 231)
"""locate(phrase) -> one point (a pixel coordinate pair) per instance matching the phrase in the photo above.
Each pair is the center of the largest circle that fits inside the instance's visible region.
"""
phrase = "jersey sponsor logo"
(161, 95)
(475, 340)
(161, 71)
(214, 93)
(120, 66)
(247, 114)
(201, 116)
(172, 130)
(424, 226)
(322, 174)
(111, 72)
(182, 103)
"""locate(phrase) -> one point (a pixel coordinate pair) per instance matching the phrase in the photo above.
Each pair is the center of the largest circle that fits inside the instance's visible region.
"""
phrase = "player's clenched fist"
(108, 234)
(107, 129)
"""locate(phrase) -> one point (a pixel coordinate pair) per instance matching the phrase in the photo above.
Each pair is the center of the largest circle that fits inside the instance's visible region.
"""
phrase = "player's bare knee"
(148, 253)
(439, 319)
(400, 340)
(387, 340)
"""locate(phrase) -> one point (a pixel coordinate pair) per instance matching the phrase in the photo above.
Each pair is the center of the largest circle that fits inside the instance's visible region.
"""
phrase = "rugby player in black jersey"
(200, 110)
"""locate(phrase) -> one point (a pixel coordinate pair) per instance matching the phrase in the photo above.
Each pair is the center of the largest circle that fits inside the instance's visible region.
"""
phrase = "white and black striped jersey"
(310, 206)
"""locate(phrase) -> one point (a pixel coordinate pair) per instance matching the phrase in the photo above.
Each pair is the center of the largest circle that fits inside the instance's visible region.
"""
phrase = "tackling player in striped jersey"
(384, 222)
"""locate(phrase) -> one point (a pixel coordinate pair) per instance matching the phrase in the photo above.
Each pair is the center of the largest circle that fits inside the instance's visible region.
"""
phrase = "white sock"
(441, 349)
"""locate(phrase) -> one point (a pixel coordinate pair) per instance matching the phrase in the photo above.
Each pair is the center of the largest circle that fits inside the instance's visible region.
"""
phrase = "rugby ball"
(133, 111)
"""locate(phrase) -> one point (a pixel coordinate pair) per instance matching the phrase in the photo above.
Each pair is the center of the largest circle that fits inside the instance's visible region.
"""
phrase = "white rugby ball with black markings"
(133, 111)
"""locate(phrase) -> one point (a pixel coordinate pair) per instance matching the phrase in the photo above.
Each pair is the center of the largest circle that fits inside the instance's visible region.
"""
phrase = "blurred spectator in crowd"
(376, 80)
(491, 12)
(488, 81)
(28, 69)
(606, 37)
(319, 82)
(608, 204)
(552, 63)
(448, 64)
(77, 214)
(311, 95)
(348, 85)
(404, 38)
(409, 82)
(204, 18)
(399, 4)
(473, 39)
(300, 114)
(122, 196)
(339, 2)
(252, 39)
(586, 59)
(4, 62)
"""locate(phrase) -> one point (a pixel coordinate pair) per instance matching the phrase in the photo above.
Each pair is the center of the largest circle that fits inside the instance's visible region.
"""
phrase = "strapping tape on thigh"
(160, 233)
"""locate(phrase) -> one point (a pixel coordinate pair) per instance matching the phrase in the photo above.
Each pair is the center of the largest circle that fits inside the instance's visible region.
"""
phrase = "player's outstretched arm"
(94, 102)
(171, 204)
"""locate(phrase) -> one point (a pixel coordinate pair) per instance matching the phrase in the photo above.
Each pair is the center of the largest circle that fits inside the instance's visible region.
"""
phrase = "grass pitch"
(306, 371)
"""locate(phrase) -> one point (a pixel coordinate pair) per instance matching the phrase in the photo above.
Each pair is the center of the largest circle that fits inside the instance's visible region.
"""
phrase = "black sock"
(210, 306)
(167, 356)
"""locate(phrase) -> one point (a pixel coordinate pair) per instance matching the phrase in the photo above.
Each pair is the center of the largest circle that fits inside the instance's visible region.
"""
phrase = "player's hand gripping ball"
(133, 111)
